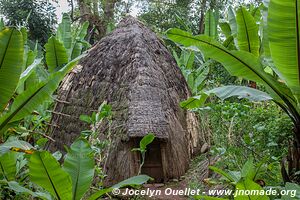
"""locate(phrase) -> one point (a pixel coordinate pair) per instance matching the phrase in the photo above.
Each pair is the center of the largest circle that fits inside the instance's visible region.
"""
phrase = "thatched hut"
(134, 72)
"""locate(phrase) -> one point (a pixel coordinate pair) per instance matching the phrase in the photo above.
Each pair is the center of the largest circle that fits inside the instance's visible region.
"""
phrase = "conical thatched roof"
(135, 73)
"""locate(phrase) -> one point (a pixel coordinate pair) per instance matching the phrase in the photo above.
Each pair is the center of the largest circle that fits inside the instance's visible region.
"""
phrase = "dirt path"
(197, 173)
(195, 178)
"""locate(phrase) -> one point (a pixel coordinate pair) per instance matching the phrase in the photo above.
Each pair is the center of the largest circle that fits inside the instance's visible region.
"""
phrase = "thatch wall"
(134, 72)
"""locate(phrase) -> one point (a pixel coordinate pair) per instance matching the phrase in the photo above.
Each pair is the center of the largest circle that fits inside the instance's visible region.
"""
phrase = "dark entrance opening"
(153, 162)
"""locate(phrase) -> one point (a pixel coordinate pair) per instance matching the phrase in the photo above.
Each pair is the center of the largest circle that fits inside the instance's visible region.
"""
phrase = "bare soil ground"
(195, 178)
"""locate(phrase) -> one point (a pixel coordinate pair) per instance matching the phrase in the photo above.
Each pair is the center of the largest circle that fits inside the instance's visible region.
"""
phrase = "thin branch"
(44, 135)
(61, 101)
(81, 16)
(58, 113)
(72, 9)
(49, 124)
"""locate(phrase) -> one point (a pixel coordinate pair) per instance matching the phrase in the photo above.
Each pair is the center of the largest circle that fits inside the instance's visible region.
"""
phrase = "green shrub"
(243, 129)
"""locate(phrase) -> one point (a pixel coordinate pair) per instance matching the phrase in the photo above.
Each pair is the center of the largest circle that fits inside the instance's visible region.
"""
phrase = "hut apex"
(133, 71)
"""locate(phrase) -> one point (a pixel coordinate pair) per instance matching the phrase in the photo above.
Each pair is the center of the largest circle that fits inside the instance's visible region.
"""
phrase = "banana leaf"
(247, 32)
(64, 33)
(210, 24)
(8, 165)
(29, 100)
(133, 181)
(45, 171)
(249, 185)
(56, 54)
(19, 189)
(251, 94)
(241, 64)
(79, 164)
(77, 45)
(232, 20)
(2, 25)
(14, 142)
(225, 27)
(29, 70)
(284, 41)
(11, 61)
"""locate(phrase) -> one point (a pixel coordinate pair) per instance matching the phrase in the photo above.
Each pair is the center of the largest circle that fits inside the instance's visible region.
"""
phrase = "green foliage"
(224, 93)
(232, 21)
(248, 171)
(194, 102)
(238, 63)
(247, 32)
(104, 112)
(79, 164)
(230, 177)
(14, 79)
(211, 22)
(26, 75)
(29, 100)
(2, 25)
(37, 16)
(160, 15)
(64, 31)
(66, 45)
(45, 171)
(226, 29)
(185, 60)
(14, 142)
(100, 147)
(19, 65)
(284, 44)
(249, 185)
(243, 180)
(145, 141)
(291, 187)
(244, 65)
(11, 54)
(251, 94)
(194, 69)
(8, 165)
(56, 55)
(71, 37)
(247, 65)
(243, 51)
(133, 181)
(78, 42)
(264, 137)
(70, 181)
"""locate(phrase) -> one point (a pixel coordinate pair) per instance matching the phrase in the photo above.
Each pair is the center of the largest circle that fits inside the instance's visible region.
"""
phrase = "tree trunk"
(90, 13)
(252, 84)
(109, 10)
(293, 159)
(86, 15)
(84, 10)
(202, 16)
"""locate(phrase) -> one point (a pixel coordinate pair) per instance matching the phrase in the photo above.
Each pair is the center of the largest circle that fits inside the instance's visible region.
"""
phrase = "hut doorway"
(153, 162)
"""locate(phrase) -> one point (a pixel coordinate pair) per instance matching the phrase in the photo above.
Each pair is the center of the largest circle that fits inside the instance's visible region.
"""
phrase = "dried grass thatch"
(132, 70)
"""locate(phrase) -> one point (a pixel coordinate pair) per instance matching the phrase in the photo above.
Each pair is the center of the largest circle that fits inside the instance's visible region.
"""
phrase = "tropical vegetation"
(240, 60)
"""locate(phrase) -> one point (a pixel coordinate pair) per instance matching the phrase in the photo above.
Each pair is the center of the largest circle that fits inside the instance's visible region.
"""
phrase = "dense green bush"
(241, 129)
(38, 16)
